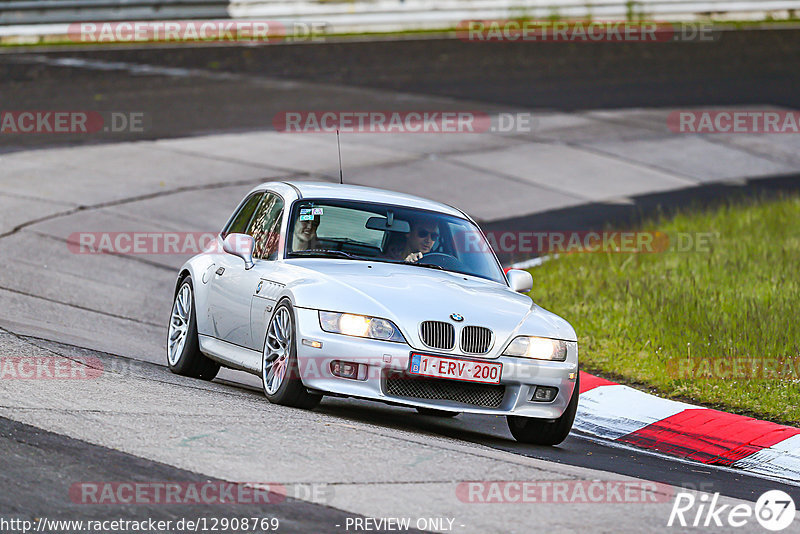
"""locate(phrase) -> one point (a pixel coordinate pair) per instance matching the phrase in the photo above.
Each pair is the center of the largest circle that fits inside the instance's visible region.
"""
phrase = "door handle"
(220, 271)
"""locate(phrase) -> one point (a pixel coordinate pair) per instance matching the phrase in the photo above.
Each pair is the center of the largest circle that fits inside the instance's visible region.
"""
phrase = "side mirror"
(519, 280)
(241, 245)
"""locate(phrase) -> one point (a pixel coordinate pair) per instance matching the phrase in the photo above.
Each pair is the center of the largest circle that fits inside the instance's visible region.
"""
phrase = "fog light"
(344, 369)
(544, 394)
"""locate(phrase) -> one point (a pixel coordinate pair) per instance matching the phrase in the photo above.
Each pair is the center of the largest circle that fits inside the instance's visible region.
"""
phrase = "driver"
(420, 240)
(304, 236)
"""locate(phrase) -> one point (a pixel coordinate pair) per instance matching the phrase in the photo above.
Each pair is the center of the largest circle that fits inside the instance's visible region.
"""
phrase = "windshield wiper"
(325, 252)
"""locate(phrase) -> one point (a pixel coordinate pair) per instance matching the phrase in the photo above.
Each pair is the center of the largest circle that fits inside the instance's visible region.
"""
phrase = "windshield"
(391, 234)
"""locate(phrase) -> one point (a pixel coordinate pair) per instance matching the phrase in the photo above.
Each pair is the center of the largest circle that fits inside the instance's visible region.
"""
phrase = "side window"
(238, 224)
(266, 227)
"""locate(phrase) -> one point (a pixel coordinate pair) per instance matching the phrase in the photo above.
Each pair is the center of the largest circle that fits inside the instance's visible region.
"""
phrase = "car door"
(266, 228)
(230, 286)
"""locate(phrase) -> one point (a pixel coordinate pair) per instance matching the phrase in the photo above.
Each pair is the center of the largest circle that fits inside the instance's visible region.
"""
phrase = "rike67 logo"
(774, 510)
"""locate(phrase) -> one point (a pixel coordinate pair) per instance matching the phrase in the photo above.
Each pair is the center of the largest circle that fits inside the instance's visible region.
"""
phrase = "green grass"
(740, 299)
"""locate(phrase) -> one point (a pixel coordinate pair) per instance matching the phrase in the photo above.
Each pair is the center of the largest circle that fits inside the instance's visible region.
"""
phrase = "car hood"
(408, 295)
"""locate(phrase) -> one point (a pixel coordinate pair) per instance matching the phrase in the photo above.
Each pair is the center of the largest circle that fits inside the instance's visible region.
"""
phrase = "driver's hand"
(413, 257)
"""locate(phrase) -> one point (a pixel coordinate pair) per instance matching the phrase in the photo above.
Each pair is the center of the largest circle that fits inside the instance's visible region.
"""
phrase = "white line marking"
(611, 412)
(782, 459)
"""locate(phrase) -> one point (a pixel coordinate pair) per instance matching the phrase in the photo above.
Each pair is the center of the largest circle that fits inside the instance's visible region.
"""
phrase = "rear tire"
(433, 412)
(183, 347)
(542, 431)
(280, 372)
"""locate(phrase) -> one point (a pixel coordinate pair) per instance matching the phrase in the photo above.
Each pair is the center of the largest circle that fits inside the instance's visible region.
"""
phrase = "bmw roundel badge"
(456, 317)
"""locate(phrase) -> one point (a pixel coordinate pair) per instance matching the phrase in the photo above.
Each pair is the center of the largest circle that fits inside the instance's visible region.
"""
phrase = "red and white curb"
(631, 417)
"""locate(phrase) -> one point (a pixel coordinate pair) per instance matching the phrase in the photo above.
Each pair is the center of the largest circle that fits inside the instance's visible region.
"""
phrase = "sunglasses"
(425, 233)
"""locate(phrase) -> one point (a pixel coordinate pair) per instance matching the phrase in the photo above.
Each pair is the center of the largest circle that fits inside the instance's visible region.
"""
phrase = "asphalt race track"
(209, 139)
(234, 89)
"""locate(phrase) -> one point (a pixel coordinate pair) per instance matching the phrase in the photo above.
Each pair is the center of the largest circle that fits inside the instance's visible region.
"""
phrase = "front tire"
(183, 347)
(280, 372)
(544, 432)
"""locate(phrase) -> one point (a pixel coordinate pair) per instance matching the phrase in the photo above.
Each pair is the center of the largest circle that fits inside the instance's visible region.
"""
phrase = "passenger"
(395, 245)
(305, 234)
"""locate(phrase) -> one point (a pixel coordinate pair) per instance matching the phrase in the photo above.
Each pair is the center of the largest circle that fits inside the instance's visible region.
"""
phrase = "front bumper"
(387, 363)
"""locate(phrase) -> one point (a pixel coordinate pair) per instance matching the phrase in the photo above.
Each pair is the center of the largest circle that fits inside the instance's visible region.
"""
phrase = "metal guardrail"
(392, 15)
(58, 11)
(22, 17)
(529, 8)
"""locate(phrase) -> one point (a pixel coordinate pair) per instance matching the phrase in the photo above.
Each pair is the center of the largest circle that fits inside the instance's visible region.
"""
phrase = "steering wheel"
(445, 261)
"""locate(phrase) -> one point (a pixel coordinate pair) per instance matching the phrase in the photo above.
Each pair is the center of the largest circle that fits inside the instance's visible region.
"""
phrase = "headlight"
(360, 326)
(539, 348)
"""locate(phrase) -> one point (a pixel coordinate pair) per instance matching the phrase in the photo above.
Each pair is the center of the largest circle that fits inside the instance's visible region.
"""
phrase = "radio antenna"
(339, 145)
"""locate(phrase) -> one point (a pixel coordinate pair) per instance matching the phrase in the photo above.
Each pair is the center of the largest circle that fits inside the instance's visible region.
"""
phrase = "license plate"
(452, 368)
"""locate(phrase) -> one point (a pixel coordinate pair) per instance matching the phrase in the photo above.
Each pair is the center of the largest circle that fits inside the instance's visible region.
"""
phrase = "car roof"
(368, 194)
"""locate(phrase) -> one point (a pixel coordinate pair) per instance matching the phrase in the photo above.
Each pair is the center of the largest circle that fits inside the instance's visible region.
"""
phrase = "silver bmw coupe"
(327, 289)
